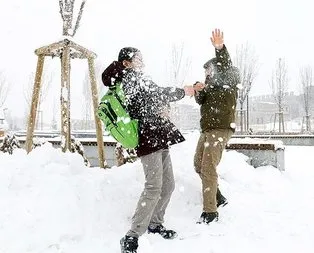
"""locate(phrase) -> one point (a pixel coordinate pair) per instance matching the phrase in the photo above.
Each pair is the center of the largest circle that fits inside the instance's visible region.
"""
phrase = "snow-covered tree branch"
(66, 11)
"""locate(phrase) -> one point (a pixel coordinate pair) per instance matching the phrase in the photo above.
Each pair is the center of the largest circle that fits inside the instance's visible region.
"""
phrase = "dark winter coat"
(219, 97)
(147, 102)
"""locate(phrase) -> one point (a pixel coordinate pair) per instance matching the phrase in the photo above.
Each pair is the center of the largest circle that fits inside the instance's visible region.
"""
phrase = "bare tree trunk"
(281, 126)
(241, 116)
(279, 85)
(99, 133)
(33, 110)
(87, 105)
(281, 123)
(77, 23)
(246, 61)
(65, 100)
(66, 11)
(247, 114)
(308, 124)
(306, 83)
(4, 89)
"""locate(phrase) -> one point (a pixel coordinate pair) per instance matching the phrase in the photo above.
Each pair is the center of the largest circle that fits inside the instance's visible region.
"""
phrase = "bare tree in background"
(4, 89)
(66, 11)
(54, 124)
(87, 94)
(178, 69)
(306, 82)
(87, 105)
(279, 84)
(28, 92)
(98, 71)
(247, 62)
(179, 66)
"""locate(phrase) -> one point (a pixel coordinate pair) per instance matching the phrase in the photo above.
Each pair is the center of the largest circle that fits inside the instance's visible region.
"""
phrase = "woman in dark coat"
(148, 103)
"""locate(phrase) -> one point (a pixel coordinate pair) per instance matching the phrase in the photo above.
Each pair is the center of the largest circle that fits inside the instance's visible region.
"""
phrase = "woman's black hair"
(127, 53)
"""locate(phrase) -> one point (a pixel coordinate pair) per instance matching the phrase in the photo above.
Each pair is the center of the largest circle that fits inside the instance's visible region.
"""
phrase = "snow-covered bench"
(261, 152)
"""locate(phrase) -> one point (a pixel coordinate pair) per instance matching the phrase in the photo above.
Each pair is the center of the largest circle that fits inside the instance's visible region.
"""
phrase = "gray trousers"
(155, 198)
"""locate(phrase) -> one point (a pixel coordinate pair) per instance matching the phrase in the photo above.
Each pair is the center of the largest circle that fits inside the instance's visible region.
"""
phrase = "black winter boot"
(221, 200)
(208, 217)
(129, 244)
(160, 229)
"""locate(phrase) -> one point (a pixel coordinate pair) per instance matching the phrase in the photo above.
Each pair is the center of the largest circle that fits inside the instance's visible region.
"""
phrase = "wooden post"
(282, 123)
(65, 100)
(279, 123)
(308, 123)
(274, 128)
(63, 49)
(34, 105)
(247, 113)
(100, 141)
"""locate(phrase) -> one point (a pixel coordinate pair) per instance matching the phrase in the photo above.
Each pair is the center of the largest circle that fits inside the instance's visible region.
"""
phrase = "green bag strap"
(117, 91)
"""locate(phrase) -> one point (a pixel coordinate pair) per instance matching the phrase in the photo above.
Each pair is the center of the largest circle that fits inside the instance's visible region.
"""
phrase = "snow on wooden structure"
(66, 50)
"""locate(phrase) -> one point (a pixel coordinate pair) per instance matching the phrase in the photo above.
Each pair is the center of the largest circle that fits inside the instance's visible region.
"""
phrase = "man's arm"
(223, 59)
(172, 94)
(199, 97)
(199, 92)
(222, 56)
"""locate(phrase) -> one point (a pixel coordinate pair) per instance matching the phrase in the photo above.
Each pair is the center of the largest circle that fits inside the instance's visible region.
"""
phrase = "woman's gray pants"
(155, 198)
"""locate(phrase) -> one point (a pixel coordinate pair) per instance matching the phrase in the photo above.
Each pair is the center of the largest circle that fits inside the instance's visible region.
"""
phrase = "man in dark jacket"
(148, 103)
(218, 101)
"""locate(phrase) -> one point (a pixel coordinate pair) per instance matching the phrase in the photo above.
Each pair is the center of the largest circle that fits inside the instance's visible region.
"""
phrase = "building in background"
(185, 116)
(262, 111)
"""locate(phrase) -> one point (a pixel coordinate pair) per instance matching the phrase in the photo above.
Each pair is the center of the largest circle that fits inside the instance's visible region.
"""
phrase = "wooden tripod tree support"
(306, 124)
(280, 122)
(65, 50)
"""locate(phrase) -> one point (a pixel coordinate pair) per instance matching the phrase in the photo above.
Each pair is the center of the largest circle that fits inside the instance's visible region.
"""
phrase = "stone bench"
(260, 152)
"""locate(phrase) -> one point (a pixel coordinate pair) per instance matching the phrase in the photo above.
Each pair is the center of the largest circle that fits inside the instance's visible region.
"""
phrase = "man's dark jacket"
(219, 97)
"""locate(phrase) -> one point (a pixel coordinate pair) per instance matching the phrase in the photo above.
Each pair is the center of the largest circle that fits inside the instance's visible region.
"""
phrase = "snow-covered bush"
(38, 142)
(76, 146)
(10, 142)
(124, 155)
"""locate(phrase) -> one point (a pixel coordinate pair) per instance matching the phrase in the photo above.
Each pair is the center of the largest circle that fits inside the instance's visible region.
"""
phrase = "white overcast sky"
(275, 28)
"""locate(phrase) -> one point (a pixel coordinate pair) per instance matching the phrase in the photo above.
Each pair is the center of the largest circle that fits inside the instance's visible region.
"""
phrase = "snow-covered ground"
(51, 203)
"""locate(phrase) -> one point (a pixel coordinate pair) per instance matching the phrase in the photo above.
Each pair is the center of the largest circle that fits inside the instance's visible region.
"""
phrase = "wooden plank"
(50, 49)
(73, 54)
(100, 142)
(65, 100)
(56, 50)
(251, 146)
(87, 53)
(34, 105)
